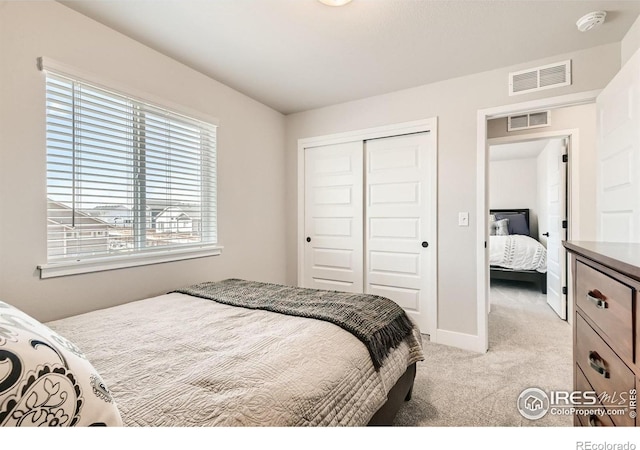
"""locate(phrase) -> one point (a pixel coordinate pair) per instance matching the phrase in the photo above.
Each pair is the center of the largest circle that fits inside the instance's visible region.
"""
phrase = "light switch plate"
(463, 219)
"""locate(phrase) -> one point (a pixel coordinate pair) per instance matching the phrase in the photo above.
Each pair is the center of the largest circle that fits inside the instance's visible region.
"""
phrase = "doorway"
(528, 183)
(579, 189)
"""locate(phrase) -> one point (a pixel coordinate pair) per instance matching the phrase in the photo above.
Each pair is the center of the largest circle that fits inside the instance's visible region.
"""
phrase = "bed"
(193, 357)
(513, 253)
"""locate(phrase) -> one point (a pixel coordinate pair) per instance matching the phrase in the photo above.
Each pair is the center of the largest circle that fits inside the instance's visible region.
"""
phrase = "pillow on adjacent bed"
(45, 380)
(499, 228)
(517, 223)
(492, 225)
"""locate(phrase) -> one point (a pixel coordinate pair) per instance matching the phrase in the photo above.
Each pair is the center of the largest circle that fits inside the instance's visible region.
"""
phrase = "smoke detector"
(591, 20)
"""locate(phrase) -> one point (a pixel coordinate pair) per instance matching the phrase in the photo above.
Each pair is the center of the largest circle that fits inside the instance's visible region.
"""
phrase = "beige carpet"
(529, 346)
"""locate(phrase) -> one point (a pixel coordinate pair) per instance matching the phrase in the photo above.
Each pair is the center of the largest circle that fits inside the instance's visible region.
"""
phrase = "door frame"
(571, 184)
(482, 186)
(418, 126)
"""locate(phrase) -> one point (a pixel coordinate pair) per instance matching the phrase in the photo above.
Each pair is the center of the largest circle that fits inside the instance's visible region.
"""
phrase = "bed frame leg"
(543, 284)
(408, 396)
(387, 412)
(413, 379)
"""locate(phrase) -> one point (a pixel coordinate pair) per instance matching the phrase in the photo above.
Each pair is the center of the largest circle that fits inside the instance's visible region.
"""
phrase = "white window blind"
(124, 177)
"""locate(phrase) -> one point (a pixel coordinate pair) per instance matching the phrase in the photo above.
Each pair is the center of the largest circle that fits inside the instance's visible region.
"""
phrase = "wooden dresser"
(606, 325)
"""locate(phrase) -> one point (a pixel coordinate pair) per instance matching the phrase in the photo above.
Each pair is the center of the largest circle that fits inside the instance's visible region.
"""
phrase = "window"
(139, 176)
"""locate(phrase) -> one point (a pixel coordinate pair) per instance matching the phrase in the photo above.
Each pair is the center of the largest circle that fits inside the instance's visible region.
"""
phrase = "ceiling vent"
(540, 78)
(529, 120)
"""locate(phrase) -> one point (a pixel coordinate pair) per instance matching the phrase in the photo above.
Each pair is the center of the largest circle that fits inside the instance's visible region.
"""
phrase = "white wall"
(631, 42)
(455, 102)
(250, 164)
(513, 183)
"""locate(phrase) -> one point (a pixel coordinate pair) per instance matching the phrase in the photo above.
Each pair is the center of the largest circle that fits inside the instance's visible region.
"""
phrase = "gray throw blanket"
(376, 321)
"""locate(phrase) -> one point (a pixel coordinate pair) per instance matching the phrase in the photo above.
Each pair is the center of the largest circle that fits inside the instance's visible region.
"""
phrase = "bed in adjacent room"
(513, 253)
(193, 357)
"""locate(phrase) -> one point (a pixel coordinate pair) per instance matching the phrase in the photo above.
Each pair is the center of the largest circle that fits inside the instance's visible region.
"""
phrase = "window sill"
(64, 268)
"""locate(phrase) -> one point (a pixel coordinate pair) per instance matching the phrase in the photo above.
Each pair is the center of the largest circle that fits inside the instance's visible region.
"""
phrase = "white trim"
(482, 233)
(45, 63)
(581, 98)
(371, 133)
(464, 341)
(482, 236)
(64, 268)
(426, 125)
(432, 304)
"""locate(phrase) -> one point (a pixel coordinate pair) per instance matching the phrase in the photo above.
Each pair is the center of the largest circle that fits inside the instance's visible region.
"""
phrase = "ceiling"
(517, 150)
(295, 55)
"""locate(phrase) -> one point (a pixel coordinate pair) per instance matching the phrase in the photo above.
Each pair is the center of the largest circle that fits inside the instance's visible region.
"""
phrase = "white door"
(618, 166)
(556, 215)
(333, 217)
(399, 240)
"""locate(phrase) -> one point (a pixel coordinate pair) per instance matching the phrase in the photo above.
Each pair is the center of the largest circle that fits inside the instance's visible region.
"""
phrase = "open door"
(557, 157)
(618, 164)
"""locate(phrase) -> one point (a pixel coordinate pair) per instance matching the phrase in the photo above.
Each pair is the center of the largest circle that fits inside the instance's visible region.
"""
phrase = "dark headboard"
(524, 211)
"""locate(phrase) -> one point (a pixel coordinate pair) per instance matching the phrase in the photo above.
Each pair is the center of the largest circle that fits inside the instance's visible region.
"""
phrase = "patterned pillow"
(499, 228)
(492, 225)
(45, 380)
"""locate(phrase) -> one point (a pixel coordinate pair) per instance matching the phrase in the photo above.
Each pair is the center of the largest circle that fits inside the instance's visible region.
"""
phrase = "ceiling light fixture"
(591, 20)
(334, 2)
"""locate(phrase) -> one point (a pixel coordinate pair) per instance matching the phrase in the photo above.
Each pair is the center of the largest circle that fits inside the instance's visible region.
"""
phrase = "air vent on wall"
(529, 120)
(539, 78)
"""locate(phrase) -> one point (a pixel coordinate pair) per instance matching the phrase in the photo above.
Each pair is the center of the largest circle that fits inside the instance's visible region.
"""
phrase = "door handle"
(598, 364)
(425, 244)
(308, 239)
(593, 421)
(596, 297)
(546, 234)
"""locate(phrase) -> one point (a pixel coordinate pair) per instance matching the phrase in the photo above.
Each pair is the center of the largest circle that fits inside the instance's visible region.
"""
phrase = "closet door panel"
(397, 212)
(333, 217)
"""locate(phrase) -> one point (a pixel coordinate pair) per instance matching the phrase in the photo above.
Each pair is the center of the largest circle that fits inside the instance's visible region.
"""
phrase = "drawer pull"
(597, 364)
(596, 297)
(593, 421)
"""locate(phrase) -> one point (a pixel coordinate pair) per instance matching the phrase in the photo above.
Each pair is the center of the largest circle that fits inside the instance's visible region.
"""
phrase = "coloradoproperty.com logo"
(534, 403)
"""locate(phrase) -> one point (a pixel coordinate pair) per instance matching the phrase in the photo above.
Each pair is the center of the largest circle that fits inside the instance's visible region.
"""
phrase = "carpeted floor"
(529, 346)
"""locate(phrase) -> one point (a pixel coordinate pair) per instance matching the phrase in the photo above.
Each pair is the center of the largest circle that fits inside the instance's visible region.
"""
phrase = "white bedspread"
(177, 360)
(517, 252)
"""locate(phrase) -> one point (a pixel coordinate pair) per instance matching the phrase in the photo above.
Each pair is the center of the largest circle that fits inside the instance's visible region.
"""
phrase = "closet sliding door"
(398, 209)
(368, 216)
(333, 217)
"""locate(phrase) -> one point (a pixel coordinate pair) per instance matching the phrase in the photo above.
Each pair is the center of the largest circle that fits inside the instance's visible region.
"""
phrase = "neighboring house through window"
(125, 177)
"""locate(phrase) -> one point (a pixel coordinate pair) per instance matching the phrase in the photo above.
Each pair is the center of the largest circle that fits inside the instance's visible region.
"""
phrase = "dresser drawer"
(608, 303)
(604, 370)
(594, 420)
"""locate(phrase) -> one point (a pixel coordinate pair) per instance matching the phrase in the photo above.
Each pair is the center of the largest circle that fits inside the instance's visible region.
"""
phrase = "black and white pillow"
(45, 380)
(499, 227)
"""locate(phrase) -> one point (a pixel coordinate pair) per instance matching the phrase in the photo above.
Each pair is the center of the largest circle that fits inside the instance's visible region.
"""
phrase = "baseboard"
(464, 341)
